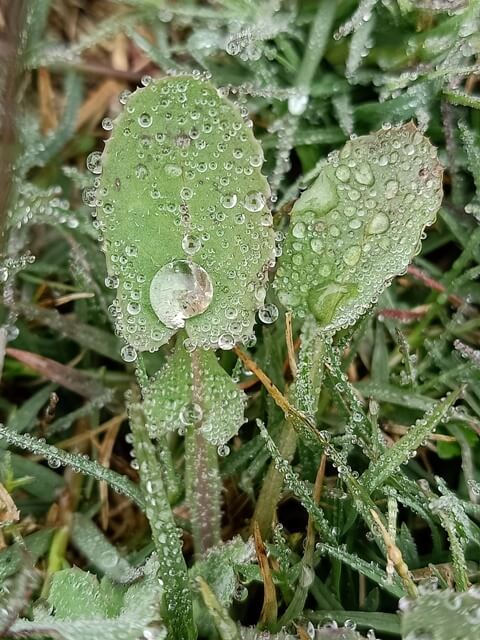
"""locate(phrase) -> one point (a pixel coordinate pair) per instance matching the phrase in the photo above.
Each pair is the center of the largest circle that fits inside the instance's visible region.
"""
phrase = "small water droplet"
(128, 353)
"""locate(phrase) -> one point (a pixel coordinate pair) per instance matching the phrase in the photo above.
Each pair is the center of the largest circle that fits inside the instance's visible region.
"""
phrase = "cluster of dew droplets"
(35, 205)
(359, 224)
(9, 267)
(171, 403)
(198, 174)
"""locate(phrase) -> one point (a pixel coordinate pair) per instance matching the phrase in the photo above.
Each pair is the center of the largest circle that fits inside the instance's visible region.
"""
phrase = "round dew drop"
(180, 290)
(94, 162)
(128, 353)
(268, 314)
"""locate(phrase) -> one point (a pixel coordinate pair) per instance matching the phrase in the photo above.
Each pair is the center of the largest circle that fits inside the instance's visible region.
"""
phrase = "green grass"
(321, 479)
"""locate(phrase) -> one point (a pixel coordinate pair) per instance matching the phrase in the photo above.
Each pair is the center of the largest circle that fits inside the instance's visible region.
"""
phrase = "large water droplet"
(179, 290)
(352, 255)
(379, 223)
(363, 175)
(94, 162)
(254, 201)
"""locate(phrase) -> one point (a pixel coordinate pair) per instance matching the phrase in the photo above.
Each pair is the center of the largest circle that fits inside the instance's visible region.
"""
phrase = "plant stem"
(317, 42)
(177, 597)
(304, 396)
(203, 485)
(10, 44)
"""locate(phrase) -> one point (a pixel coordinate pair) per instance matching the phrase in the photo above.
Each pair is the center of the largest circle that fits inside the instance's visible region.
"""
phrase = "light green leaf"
(104, 556)
(172, 570)
(83, 609)
(442, 615)
(181, 205)
(169, 398)
(218, 567)
(75, 594)
(359, 225)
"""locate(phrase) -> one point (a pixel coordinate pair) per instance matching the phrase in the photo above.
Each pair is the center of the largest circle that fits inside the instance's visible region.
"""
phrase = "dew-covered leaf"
(182, 208)
(442, 615)
(359, 225)
(218, 568)
(171, 569)
(170, 398)
(14, 595)
(84, 609)
(74, 594)
(104, 556)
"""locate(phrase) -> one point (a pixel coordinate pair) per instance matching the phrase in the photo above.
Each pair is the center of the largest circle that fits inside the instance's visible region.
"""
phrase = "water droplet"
(229, 200)
(180, 290)
(223, 450)
(379, 223)
(268, 314)
(343, 173)
(226, 341)
(141, 171)
(299, 229)
(191, 244)
(107, 124)
(145, 120)
(254, 201)
(94, 162)
(352, 255)
(128, 353)
(391, 189)
(317, 245)
(363, 175)
(191, 414)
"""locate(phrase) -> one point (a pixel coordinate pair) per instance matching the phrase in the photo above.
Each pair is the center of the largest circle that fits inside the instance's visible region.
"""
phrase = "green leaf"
(226, 627)
(75, 594)
(181, 206)
(104, 556)
(359, 225)
(218, 567)
(86, 610)
(442, 615)
(170, 398)
(57, 457)
(401, 452)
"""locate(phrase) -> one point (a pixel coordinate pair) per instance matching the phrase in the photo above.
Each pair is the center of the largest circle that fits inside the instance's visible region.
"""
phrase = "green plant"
(305, 475)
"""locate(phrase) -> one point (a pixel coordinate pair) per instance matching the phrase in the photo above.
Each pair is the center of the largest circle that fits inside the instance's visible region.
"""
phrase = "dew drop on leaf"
(179, 290)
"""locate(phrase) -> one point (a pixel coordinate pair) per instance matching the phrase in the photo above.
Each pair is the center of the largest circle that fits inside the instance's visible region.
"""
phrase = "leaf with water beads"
(173, 403)
(379, 471)
(359, 225)
(85, 609)
(441, 615)
(182, 209)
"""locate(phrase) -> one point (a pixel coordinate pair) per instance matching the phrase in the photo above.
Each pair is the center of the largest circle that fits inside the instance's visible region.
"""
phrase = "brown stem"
(12, 17)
